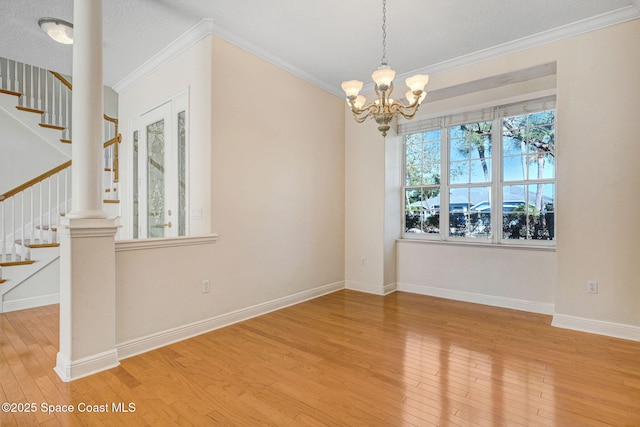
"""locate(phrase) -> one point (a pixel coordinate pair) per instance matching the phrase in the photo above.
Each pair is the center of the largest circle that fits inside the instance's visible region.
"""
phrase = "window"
(465, 165)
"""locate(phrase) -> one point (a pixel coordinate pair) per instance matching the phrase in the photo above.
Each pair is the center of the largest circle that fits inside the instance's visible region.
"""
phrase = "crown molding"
(205, 28)
(240, 42)
(604, 20)
(196, 33)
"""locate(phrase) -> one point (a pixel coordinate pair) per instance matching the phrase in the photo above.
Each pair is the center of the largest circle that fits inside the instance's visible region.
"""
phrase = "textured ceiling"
(329, 40)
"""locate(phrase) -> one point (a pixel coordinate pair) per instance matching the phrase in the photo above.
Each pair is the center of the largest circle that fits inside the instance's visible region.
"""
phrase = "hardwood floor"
(345, 359)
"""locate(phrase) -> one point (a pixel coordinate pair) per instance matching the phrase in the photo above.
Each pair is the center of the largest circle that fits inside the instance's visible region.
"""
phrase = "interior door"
(158, 166)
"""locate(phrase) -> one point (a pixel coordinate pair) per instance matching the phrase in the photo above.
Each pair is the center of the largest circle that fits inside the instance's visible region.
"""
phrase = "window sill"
(477, 244)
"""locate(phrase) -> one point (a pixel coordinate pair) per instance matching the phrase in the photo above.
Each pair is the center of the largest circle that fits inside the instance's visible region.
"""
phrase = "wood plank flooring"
(345, 359)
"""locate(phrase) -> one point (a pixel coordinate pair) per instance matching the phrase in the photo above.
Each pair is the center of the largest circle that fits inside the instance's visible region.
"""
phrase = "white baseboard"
(369, 288)
(69, 370)
(503, 302)
(616, 330)
(150, 342)
(33, 302)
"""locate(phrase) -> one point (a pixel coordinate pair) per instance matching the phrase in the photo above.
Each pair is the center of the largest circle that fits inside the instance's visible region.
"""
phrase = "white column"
(87, 116)
(87, 237)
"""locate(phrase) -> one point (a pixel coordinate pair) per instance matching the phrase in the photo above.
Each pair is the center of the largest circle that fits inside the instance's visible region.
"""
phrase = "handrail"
(35, 180)
(110, 119)
(113, 140)
(62, 79)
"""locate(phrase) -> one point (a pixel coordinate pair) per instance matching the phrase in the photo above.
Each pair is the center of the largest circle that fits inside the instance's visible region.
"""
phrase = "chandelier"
(384, 109)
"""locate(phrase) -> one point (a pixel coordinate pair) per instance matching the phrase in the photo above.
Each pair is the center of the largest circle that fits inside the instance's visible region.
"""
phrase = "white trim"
(472, 297)
(417, 239)
(69, 370)
(196, 33)
(31, 302)
(600, 327)
(87, 227)
(150, 342)
(369, 288)
(390, 288)
(169, 242)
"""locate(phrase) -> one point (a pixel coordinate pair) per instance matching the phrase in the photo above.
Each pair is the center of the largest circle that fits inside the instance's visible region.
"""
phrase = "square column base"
(87, 297)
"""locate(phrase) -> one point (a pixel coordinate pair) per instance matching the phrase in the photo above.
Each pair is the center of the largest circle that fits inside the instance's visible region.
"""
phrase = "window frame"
(497, 112)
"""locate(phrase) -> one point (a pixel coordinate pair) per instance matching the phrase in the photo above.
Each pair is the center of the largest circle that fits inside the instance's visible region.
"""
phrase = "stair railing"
(41, 91)
(29, 213)
(111, 176)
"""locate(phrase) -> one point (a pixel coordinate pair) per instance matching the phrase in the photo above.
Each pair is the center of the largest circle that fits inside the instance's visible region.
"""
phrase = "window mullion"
(444, 184)
(496, 182)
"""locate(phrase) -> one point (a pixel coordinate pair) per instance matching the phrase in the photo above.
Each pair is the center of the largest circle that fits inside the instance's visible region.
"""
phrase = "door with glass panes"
(159, 170)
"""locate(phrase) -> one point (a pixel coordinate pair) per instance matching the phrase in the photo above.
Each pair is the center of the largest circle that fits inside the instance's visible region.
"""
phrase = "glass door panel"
(156, 180)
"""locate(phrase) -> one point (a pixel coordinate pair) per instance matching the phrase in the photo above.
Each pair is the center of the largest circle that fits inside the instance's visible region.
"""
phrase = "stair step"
(48, 126)
(2, 280)
(65, 141)
(46, 227)
(9, 92)
(15, 263)
(43, 245)
(36, 245)
(111, 201)
(30, 110)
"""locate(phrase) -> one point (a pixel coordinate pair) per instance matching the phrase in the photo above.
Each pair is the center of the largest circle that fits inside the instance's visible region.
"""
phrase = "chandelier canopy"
(384, 109)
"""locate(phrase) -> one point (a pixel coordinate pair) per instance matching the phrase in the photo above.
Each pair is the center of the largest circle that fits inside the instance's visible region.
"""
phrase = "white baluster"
(27, 87)
(3, 235)
(32, 236)
(22, 242)
(2, 73)
(13, 228)
(49, 213)
(41, 89)
(59, 102)
(70, 115)
(47, 97)
(55, 240)
(66, 190)
(40, 206)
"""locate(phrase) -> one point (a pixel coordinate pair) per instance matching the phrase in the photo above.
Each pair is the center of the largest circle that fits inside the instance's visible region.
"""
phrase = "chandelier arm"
(361, 114)
(407, 111)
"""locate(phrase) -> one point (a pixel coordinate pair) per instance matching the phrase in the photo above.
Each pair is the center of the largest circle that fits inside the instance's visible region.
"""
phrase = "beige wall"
(277, 165)
(267, 166)
(597, 194)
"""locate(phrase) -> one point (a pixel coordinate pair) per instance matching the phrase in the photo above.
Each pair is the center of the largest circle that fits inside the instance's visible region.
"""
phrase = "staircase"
(30, 213)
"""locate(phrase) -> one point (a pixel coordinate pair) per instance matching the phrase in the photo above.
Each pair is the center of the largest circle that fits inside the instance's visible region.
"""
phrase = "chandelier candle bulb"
(417, 82)
(360, 101)
(352, 88)
(383, 77)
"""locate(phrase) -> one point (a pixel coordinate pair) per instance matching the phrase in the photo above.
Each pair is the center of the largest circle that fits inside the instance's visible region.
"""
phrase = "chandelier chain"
(384, 60)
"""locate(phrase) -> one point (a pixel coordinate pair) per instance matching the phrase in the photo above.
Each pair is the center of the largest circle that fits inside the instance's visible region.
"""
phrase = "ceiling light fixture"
(59, 30)
(384, 109)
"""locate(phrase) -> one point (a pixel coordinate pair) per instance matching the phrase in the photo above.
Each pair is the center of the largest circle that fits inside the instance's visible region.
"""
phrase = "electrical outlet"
(592, 286)
(206, 286)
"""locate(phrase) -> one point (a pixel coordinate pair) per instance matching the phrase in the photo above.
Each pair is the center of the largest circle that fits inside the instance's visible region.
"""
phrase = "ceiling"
(324, 42)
